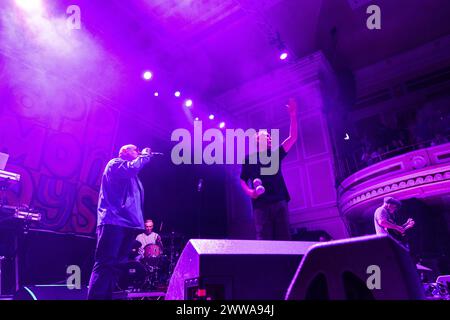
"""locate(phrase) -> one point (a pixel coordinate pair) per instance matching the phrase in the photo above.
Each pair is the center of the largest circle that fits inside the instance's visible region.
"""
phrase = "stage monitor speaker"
(50, 292)
(362, 268)
(235, 269)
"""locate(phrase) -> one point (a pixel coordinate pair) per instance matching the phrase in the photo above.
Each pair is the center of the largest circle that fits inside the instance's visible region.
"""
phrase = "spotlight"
(30, 5)
(283, 55)
(211, 117)
(222, 125)
(147, 75)
(196, 119)
(188, 103)
(177, 94)
(156, 94)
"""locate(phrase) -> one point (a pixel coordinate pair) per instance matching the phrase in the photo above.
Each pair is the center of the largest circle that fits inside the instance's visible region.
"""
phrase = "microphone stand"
(200, 206)
(172, 254)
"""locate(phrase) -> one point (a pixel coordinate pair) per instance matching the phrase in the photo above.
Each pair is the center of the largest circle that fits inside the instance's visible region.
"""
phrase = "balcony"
(421, 173)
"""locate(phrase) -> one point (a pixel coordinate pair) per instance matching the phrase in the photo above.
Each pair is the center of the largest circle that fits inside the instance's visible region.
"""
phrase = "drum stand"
(151, 276)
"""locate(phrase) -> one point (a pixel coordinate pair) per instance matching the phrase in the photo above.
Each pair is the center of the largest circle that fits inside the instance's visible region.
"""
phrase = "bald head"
(129, 152)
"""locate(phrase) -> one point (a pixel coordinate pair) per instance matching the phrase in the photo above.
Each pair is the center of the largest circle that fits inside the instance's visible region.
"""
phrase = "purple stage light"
(196, 119)
(177, 94)
(283, 56)
(147, 75)
(188, 103)
(211, 117)
(222, 125)
(156, 94)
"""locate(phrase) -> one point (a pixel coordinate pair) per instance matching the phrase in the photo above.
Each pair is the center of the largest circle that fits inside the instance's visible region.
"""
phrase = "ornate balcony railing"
(420, 173)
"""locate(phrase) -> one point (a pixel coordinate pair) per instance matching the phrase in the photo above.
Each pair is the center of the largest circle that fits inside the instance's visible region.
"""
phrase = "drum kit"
(150, 268)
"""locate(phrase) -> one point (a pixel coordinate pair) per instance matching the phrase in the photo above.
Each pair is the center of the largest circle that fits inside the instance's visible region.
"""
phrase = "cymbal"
(423, 268)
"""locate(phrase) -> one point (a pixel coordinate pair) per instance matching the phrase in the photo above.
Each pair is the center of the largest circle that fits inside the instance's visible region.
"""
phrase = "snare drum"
(152, 251)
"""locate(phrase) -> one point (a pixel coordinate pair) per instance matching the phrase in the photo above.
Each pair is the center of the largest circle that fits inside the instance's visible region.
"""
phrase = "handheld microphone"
(257, 184)
(156, 153)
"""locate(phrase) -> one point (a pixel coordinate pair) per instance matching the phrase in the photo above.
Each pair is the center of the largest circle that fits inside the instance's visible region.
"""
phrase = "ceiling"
(229, 42)
(210, 46)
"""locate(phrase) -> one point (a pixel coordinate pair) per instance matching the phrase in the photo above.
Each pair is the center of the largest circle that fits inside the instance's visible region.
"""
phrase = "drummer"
(148, 237)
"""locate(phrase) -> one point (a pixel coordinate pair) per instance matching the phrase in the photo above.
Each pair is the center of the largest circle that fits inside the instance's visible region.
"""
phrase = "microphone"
(257, 184)
(145, 152)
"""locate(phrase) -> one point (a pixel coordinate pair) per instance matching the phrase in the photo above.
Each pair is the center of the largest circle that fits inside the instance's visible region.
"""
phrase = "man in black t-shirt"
(270, 204)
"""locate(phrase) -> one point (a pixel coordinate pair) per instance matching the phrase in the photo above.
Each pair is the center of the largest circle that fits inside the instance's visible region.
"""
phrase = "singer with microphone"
(269, 193)
(119, 218)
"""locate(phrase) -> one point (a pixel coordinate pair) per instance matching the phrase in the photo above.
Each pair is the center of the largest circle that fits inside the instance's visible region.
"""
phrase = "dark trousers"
(272, 221)
(113, 247)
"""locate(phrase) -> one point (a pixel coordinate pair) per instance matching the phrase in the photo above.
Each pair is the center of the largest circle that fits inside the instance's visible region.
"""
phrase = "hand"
(292, 106)
(146, 151)
(409, 224)
(254, 194)
(141, 251)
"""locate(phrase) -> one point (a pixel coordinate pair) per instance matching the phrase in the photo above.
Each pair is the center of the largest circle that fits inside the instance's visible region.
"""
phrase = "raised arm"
(293, 130)
(132, 167)
(385, 223)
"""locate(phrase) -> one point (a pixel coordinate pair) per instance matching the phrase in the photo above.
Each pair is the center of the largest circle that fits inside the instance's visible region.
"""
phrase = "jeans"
(271, 221)
(113, 247)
